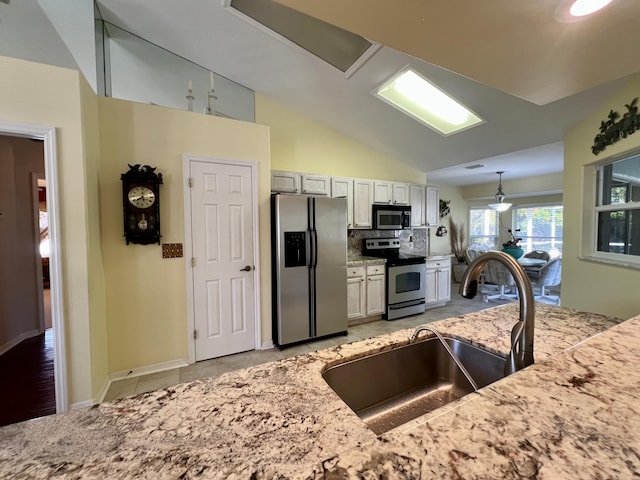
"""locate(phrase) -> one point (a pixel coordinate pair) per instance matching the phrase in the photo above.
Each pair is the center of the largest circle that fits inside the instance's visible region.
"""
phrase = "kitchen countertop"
(572, 414)
(361, 260)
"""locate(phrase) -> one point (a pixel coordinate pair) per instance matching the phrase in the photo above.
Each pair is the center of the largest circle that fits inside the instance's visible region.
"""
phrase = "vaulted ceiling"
(530, 75)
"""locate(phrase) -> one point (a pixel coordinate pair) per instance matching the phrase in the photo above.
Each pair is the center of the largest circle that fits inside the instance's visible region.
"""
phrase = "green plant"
(457, 240)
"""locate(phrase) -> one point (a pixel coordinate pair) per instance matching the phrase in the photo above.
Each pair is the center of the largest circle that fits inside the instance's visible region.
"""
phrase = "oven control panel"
(381, 243)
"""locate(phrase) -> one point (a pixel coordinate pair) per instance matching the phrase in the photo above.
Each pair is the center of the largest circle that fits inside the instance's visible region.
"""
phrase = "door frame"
(48, 136)
(188, 245)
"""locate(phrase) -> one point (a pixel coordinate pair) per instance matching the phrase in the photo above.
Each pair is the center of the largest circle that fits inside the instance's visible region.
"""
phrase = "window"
(617, 206)
(483, 229)
(540, 228)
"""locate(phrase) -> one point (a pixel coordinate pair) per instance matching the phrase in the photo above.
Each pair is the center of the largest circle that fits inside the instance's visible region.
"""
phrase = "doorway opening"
(32, 347)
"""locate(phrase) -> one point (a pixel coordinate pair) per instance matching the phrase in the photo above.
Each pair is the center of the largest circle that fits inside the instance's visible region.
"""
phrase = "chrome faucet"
(521, 351)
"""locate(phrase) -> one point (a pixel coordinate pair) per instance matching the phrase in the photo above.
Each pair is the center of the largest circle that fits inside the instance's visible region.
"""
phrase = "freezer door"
(330, 242)
(291, 290)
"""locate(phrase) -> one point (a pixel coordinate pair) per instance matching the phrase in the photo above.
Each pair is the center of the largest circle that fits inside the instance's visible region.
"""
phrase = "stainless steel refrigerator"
(309, 267)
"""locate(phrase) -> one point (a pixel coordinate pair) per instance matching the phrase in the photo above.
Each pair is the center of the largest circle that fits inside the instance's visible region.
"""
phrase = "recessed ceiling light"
(580, 8)
(415, 96)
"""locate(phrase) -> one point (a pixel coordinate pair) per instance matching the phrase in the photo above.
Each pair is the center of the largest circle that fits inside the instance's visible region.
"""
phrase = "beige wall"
(97, 299)
(301, 144)
(33, 93)
(146, 294)
(124, 307)
(590, 286)
(459, 212)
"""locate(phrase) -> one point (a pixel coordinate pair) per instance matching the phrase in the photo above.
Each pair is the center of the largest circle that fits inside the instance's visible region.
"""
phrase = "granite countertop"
(572, 414)
(361, 260)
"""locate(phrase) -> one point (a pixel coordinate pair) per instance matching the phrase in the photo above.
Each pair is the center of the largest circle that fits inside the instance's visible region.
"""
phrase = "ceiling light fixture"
(569, 11)
(415, 96)
(580, 8)
(501, 205)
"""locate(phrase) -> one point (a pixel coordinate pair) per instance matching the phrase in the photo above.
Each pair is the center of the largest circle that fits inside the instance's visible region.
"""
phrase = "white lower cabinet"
(375, 290)
(356, 292)
(437, 282)
(365, 291)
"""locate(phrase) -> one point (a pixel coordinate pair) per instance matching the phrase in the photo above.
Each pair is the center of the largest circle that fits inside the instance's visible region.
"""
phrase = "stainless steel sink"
(387, 389)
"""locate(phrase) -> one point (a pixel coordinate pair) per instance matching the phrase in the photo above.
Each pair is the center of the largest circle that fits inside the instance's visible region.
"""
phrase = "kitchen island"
(573, 414)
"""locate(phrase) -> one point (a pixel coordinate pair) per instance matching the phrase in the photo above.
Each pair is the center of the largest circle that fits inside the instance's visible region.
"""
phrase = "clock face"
(141, 197)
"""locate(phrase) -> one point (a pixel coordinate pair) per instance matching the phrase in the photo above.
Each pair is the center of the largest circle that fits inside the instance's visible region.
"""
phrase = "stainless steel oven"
(405, 277)
(405, 289)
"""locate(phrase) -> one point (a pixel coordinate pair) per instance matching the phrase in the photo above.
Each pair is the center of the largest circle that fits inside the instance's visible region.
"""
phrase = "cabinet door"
(431, 284)
(433, 206)
(382, 192)
(444, 283)
(375, 294)
(285, 182)
(356, 298)
(400, 194)
(362, 200)
(418, 211)
(316, 185)
(340, 188)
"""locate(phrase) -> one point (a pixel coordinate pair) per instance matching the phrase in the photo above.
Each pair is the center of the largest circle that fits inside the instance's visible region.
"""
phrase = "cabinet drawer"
(353, 272)
(437, 263)
(375, 269)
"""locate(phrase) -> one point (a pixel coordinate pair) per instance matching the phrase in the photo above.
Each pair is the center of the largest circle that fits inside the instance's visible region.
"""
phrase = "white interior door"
(223, 261)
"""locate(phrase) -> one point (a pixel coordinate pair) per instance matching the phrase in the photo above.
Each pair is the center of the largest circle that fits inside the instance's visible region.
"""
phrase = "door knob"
(248, 268)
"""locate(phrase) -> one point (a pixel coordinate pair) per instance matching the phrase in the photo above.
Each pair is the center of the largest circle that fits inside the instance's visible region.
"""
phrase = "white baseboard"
(15, 341)
(83, 404)
(138, 372)
(99, 398)
(147, 369)
(267, 345)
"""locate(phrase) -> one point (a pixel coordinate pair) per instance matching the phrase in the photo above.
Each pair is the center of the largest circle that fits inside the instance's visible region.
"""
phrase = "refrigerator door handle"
(314, 251)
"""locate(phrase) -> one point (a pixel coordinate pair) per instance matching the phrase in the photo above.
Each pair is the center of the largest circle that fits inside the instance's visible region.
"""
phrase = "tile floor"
(212, 368)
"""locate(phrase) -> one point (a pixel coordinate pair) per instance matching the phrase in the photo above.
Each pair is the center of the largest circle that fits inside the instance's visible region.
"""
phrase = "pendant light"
(501, 205)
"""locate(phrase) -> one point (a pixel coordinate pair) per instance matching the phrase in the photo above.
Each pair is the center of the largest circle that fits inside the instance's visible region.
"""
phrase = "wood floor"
(27, 381)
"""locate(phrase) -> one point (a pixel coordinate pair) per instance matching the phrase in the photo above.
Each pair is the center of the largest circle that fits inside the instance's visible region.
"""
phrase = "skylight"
(413, 95)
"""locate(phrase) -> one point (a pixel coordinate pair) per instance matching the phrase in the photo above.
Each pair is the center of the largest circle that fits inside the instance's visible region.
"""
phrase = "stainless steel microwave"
(391, 217)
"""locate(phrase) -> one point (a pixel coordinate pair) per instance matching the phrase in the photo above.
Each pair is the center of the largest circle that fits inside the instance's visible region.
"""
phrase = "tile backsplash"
(420, 240)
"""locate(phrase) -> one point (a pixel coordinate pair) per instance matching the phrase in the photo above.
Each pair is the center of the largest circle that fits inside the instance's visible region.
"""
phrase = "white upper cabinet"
(382, 192)
(433, 206)
(342, 187)
(401, 195)
(361, 194)
(285, 182)
(390, 192)
(362, 200)
(316, 184)
(418, 205)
